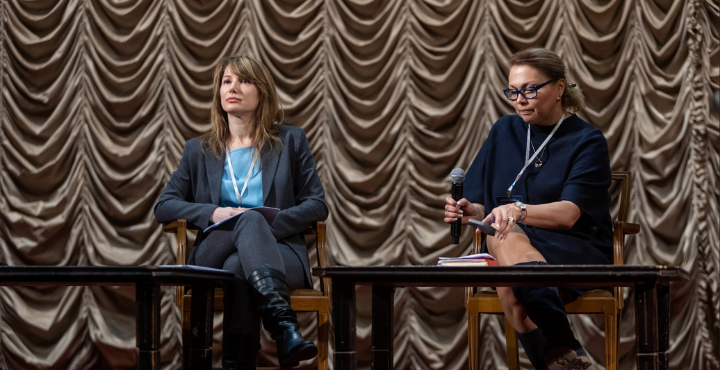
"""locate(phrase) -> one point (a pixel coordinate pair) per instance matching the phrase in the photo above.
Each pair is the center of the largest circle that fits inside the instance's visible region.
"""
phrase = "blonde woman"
(249, 159)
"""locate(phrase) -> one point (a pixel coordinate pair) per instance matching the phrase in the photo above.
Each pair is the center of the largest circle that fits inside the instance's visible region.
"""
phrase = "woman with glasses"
(541, 179)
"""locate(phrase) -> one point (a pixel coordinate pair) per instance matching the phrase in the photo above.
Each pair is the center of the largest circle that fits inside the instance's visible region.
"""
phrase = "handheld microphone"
(457, 176)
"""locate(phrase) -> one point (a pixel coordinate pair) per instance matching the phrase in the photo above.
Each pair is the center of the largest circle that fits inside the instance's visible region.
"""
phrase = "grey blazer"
(289, 180)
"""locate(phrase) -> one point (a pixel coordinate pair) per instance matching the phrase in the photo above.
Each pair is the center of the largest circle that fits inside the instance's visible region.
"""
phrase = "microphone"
(457, 176)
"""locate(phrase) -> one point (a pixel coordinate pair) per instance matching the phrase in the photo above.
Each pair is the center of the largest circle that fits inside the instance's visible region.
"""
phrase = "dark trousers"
(546, 310)
(244, 245)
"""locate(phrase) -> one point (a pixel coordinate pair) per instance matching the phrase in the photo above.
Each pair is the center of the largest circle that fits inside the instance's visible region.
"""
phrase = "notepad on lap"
(268, 212)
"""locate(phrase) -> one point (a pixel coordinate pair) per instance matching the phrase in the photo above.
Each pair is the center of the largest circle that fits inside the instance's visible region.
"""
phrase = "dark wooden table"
(651, 283)
(147, 281)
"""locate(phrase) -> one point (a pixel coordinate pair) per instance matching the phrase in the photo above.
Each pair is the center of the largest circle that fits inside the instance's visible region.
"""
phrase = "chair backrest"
(625, 184)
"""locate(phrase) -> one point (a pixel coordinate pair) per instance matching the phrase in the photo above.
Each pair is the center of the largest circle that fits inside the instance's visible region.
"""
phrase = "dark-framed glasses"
(529, 92)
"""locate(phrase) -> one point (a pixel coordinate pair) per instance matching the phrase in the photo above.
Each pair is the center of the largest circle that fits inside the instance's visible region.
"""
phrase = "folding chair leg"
(323, 332)
(512, 346)
(473, 341)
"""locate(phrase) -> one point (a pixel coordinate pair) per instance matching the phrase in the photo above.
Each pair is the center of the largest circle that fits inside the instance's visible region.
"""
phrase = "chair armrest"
(312, 229)
(179, 227)
(170, 227)
(629, 228)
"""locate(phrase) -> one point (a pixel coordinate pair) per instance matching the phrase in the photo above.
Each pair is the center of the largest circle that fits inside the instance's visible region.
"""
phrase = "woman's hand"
(221, 213)
(462, 209)
(503, 218)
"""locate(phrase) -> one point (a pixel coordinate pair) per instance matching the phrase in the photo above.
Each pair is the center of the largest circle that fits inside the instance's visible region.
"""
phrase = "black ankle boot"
(545, 308)
(240, 352)
(279, 318)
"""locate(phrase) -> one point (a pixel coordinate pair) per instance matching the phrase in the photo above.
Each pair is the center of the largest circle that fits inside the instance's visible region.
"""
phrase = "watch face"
(520, 204)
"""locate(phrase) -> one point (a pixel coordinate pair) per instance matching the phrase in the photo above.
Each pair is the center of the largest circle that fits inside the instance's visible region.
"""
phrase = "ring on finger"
(510, 219)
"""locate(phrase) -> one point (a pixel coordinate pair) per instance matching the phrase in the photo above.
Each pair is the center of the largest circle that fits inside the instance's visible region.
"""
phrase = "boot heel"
(307, 351)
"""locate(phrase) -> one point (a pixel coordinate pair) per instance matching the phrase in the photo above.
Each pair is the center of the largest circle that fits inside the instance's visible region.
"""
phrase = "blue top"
(576, 168)
(253, 196)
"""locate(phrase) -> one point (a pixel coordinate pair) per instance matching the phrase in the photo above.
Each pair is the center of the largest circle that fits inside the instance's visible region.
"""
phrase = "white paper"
(472, 256)
(268, 212)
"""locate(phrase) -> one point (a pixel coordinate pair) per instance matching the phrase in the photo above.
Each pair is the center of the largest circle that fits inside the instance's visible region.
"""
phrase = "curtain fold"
(98, 97)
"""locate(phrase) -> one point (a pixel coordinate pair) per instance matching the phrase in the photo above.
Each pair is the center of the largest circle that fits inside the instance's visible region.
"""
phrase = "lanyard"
(232, 175)
(529, 160)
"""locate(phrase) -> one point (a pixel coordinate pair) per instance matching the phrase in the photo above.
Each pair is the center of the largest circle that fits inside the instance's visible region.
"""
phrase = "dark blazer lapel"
(214, 167)
(269, 161)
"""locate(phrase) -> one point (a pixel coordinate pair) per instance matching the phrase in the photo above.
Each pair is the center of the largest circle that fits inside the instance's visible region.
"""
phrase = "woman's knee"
(509, 251)
(233, 265)
(516, 248)
(506, 296)
(253, 224)
(251, 218)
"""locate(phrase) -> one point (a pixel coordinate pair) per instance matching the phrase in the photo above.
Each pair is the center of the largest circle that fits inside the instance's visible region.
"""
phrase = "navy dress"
(575, 167)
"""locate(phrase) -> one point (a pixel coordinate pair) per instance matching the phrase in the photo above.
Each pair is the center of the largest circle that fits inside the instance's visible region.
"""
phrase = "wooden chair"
(592, 302)
(301, 300)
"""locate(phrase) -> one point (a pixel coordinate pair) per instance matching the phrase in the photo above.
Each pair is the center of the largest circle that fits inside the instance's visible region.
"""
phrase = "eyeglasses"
(529, 92)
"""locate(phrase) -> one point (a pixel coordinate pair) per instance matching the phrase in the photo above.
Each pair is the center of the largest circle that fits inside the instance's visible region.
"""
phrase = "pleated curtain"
(98, 97)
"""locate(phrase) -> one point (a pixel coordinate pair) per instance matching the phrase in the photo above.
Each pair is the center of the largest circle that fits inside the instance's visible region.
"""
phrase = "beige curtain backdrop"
(98, 97)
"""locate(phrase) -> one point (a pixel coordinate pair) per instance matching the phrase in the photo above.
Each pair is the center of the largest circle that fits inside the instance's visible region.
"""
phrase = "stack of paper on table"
(481, 259)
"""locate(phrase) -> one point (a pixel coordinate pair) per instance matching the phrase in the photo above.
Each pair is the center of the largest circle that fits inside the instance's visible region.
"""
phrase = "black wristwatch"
(523, 211)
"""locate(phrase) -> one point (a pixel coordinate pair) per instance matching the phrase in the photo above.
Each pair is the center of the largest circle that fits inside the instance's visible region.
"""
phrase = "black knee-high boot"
(545, 308)
(279, 318)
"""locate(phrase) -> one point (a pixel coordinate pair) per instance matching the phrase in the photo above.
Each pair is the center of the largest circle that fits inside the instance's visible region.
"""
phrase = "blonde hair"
(267, 117)
(550, 64)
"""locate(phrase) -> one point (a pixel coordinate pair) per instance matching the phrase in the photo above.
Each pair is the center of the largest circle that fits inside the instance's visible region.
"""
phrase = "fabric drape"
(98, 97)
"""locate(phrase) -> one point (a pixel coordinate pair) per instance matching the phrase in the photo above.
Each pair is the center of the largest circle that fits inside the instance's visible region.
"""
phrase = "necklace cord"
(527, 152)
